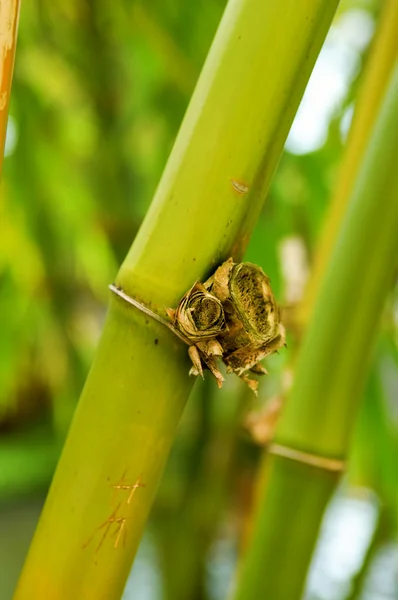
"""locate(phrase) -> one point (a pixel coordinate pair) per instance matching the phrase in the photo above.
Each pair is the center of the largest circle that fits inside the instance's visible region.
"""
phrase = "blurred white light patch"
(145, 579)
(294, 265)
(11, 136)
(395, 308)
(382, 580)
(345, 122)
(337, 64)
(346, 533)
(220, 567)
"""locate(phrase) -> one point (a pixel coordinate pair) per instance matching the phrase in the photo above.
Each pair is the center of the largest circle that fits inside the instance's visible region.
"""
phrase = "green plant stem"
(285, 529)
(333, 362)
(331, 369)
(187, 529)
(377, 74)
(234, 130)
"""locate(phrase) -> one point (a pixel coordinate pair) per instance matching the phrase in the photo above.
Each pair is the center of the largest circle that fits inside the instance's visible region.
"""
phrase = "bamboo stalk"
(9, 13)
(377, 74)
(186, 529)
(331, 368)
(204, 210)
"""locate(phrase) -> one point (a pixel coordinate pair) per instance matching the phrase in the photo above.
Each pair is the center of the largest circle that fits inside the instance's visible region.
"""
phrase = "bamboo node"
(147, 311)
(314, 460)
(233, 317)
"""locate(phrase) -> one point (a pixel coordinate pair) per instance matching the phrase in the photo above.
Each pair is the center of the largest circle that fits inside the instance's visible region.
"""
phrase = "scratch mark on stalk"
(239, 186)
(116, 524)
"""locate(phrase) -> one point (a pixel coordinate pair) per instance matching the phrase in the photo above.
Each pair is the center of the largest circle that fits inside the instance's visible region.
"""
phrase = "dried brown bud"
(199, 315)
(252, 314)
(234, 316)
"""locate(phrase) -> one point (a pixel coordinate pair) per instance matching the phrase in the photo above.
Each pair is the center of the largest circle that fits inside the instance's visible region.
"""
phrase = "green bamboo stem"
(187, 530)
(204, 210)
(378, 71)
(375, 443)
(331, 368)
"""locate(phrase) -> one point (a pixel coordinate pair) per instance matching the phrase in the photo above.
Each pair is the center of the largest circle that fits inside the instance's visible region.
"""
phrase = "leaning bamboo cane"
(204, 210)
(314, 433)
(378, 71)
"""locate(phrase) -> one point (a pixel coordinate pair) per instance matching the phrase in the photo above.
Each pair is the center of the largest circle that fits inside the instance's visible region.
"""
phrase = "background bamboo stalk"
(331, 369)
(234, 131)
(377, 74)
(9, 12)
(186, 528)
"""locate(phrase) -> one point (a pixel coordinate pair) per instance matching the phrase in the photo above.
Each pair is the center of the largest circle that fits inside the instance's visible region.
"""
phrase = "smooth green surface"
(235, 128)
(284, 536)
(128, 435)
(333, 361)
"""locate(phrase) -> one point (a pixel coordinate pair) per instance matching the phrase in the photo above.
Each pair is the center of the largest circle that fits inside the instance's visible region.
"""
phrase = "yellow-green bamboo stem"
(9, 12)
(204, 210)
(377, 74)
(320, 413)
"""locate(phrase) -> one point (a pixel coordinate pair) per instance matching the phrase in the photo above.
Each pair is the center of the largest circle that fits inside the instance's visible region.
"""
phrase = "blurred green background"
(98, 94)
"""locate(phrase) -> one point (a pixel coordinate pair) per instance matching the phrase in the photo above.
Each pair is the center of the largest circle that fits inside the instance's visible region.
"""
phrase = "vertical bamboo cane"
(377, 74)
(316, 427)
